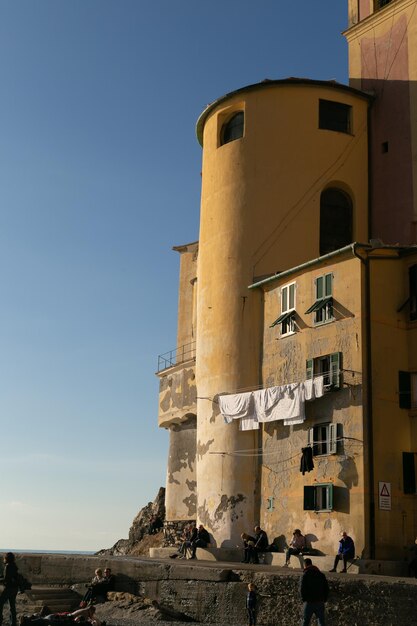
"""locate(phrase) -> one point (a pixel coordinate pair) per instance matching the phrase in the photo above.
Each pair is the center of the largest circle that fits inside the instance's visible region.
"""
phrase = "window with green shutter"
(318, 497)
(323, 305)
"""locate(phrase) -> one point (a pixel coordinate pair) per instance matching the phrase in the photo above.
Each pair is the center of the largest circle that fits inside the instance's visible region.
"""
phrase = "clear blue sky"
(99, 178)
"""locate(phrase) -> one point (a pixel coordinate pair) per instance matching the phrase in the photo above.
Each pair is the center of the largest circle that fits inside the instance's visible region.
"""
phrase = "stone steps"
(58, 599)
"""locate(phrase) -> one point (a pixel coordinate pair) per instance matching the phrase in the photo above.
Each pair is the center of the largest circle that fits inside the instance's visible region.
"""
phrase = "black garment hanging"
(306, 464)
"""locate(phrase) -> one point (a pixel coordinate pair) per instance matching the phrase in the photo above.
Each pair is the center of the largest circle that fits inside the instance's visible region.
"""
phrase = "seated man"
(201, 540)
(346, 552)
(297, 546)
(109, 580)
(261, 545)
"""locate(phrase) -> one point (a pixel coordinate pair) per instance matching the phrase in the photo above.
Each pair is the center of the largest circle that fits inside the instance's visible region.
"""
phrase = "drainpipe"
(369, 414)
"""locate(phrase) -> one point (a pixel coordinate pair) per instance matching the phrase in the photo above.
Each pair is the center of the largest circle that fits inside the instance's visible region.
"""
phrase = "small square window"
(384, 147)
(324, 439)
(407, 390)
(335, 116)
(329, 367)
(318, 497)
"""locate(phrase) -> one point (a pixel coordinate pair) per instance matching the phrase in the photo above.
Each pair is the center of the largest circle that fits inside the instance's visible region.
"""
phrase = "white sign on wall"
(384, 491)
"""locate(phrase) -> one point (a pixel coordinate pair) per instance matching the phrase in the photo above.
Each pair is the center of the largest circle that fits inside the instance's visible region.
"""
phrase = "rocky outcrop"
(139, 528)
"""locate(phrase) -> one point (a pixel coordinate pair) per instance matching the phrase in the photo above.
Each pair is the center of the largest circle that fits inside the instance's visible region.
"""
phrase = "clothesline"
(354, 374)
(254, 452)
(280, 403)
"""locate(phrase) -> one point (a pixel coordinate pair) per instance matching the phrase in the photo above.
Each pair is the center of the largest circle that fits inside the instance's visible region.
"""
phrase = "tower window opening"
(335, 220)
(384, 146)
(381, 3)
(335, 116)
(233, 128)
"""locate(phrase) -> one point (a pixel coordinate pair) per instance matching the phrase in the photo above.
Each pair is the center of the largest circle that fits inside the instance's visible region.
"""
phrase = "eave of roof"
(274, 83)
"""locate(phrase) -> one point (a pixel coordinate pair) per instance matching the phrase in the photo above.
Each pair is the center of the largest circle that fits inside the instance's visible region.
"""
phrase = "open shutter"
(335, 365)
(404, 388)
(328, 285)
(309, 369)
(409, 472)
(309, 498)
(330, 497)
(319, 287)
(332, 432)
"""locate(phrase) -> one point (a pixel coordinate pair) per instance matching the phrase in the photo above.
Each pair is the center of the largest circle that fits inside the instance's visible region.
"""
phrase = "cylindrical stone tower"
(268, 155)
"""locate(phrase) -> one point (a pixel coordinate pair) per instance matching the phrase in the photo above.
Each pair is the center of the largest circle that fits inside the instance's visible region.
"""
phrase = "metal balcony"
(177, 356)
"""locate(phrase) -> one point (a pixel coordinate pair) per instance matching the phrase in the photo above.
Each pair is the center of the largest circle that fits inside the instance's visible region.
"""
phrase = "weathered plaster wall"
(181, 498)
(284, 361)
(393, 349)
(177, 394)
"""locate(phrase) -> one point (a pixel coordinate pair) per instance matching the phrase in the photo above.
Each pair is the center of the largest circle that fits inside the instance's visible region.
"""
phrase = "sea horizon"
(22, 551)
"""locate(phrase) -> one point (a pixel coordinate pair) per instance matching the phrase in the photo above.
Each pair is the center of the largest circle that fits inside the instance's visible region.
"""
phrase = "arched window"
(233, 128)
(335, 220)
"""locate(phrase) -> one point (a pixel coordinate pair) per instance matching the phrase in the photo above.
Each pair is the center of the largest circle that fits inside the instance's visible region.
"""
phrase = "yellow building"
(277, 296)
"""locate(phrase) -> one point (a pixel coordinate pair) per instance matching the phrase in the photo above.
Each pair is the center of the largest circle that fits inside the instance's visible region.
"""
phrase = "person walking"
(11, 587)
(346, 552)
(314, 591)
(251, 601)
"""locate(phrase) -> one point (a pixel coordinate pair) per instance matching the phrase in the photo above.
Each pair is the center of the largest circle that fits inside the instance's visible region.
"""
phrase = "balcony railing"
(176, 356)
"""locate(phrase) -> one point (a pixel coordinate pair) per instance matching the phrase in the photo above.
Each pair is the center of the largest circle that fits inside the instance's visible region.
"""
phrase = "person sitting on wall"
(95, 591)
(109, 581)
(346, 552)
(261, 545)
(189, 536)
(201, 541)
(297, 546)
(248, 544)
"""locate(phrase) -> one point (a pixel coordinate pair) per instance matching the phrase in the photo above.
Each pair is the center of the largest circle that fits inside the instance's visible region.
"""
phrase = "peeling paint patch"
(215, 409)
(191, 484)
(203, 448)
(228, 505)
(191, 504)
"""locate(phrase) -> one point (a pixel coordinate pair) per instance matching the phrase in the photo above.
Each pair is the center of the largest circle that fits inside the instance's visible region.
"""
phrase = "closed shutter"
(409, 472)
(309, 498)
(309, 369)
(404, 389)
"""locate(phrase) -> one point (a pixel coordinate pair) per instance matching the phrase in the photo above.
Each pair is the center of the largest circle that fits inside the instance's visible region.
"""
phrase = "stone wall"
(215, 594)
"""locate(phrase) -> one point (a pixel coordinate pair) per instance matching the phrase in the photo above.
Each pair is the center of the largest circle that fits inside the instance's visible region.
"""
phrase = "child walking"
(251, 599)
